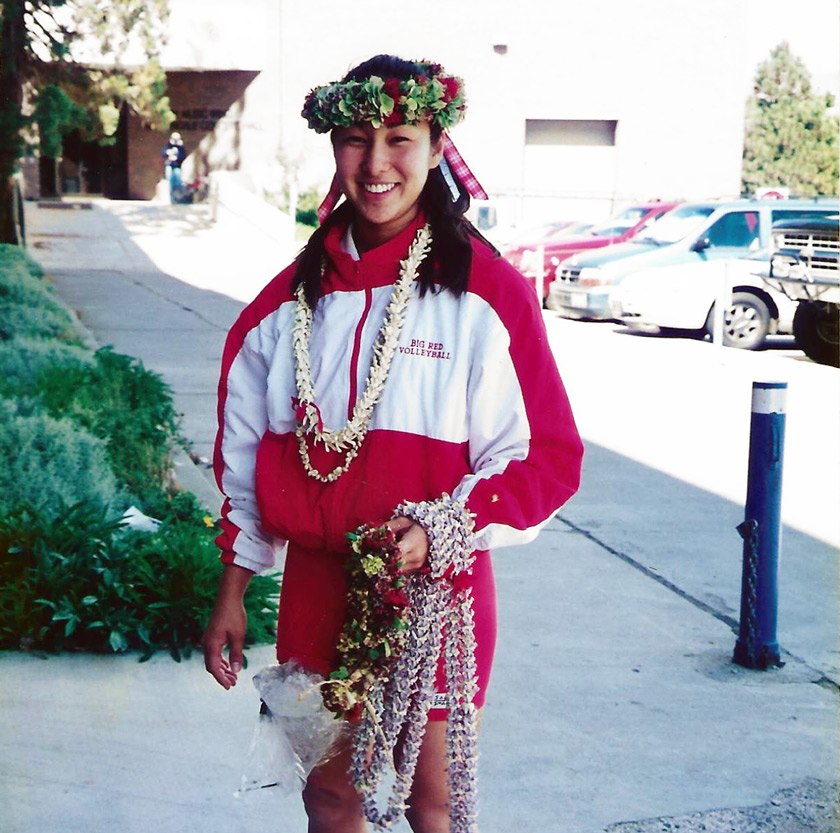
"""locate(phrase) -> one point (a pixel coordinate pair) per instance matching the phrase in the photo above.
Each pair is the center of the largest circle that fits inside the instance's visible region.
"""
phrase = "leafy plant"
(80, 580)
(48, 573)
(47, 462)
(130, 407)
(23, 360)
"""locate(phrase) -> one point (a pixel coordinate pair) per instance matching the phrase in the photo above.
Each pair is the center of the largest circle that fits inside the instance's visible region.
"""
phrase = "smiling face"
(382, 172)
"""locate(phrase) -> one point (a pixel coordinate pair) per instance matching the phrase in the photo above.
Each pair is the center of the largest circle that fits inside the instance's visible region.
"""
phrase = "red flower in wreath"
(451, 87)
(391, 87)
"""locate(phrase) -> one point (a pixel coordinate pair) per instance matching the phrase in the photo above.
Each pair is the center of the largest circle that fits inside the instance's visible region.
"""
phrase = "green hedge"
(23, 360)
(27, 306)
(128, 406)
(83, 435)
(49, 463)
(79, 580)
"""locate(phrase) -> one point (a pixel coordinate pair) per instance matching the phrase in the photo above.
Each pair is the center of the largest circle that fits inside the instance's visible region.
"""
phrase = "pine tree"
(791, 137)
(43, 85)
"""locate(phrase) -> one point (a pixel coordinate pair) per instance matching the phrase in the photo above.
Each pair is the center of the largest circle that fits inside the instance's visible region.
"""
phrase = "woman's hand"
(413, 543)
(227, 627)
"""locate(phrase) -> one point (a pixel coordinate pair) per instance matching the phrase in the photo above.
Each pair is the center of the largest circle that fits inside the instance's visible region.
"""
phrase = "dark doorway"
(90, 168)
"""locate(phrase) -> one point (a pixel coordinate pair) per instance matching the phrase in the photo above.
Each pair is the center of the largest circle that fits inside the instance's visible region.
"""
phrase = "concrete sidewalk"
(614, 704)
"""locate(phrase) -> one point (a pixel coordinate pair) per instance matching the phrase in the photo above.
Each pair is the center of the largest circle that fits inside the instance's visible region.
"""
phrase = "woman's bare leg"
(428, 810)
(429, 799)
(331, 802)
(333, 805)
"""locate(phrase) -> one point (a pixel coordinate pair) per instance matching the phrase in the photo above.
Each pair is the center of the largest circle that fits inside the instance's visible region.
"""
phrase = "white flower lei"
(349, 438)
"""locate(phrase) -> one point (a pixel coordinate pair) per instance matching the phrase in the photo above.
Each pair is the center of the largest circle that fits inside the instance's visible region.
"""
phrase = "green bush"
(36, 322)
(80, 581)
(27, 307)
(13, 258)
(79, 433)
(47, 463)
(23, 360)
(128, 406)
(307, 207)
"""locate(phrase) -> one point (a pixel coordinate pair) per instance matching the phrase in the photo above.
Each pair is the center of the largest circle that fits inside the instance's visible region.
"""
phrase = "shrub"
(80, 581)
(50, 565)
(46, 463)
(128, 406)
(27, 307)
(14, 258)
(23, 360)
(43, 321)
(81, 429)
(307, 207)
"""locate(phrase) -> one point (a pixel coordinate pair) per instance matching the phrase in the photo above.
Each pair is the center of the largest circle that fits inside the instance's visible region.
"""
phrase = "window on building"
(580, 132)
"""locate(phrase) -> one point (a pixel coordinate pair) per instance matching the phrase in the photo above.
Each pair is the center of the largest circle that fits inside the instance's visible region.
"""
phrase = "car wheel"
(815, 328)
(745, 323)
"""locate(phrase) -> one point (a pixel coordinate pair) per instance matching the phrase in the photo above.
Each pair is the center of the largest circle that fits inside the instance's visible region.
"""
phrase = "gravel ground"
(811, 807)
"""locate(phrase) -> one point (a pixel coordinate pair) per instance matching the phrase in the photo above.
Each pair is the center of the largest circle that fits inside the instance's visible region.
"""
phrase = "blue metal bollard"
(761, 530)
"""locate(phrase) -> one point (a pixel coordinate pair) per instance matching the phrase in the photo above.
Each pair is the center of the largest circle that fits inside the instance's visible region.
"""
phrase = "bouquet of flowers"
(297, 729)
(375, 626)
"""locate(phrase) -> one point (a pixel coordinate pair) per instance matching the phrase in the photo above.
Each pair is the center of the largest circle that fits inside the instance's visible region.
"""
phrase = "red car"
(617, 229)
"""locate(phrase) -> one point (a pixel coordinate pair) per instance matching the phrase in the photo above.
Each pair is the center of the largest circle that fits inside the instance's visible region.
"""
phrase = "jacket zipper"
(354, 357)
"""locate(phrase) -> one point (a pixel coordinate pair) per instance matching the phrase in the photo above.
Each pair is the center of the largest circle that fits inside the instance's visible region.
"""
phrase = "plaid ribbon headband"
(451, 164)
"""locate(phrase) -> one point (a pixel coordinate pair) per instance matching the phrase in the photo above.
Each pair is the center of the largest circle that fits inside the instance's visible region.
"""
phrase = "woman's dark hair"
(450, 258)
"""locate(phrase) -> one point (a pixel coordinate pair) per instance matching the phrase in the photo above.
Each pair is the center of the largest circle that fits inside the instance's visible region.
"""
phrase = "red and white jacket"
(473, 407)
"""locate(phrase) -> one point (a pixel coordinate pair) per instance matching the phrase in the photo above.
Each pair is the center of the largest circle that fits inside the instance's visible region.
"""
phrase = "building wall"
(208, 105)
(672, 74)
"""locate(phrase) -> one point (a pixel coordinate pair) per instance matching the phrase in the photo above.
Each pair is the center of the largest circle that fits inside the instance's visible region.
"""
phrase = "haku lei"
(349, 438)
(432, 96)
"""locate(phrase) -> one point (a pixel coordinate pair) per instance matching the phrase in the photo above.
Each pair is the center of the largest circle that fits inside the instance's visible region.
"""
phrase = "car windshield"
(620, 223)
(676, 224)
(611, 230)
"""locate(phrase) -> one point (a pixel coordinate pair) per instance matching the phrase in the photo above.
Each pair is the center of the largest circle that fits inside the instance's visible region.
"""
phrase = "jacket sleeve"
(243, 421)
(525, 451)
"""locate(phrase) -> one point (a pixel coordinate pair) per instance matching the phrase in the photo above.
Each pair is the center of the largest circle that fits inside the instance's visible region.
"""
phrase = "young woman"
(397, 372)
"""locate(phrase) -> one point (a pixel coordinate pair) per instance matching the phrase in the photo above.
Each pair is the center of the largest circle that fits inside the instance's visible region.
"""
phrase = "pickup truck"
(805, 265)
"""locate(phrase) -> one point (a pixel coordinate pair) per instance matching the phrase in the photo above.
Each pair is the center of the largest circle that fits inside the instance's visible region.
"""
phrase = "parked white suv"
(678, 290)
(682, 298)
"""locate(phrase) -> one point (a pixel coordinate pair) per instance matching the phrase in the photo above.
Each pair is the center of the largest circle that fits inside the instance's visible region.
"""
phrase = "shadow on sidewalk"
(686, 536)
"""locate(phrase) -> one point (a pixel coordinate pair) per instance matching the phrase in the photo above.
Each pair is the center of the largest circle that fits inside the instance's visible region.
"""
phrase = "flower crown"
(430, 96)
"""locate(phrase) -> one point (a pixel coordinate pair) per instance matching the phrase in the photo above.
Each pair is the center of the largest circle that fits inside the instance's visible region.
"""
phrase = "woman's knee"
(332, 806)
(428, 815)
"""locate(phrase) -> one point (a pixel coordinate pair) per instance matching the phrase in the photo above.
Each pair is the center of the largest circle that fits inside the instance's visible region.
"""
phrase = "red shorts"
(313, 601)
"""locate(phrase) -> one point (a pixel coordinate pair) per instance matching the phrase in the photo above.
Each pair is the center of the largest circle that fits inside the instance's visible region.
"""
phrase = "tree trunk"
(48, 177)
(12, 57)
(8, 227)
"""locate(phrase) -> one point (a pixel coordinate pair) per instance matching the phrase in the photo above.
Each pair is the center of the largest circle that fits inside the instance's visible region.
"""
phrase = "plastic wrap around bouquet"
(294, 731)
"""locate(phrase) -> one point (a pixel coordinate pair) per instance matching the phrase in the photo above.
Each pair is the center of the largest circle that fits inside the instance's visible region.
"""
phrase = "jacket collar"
(376, 267)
